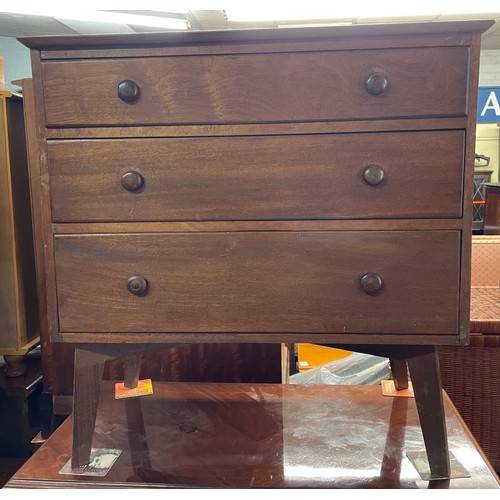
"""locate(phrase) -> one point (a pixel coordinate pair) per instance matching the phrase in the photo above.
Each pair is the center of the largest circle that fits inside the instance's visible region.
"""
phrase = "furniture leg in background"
(399, 370)
(132, 371)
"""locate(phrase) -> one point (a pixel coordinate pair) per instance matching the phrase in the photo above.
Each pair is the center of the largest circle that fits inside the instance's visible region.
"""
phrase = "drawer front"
(340, 176)
(257, 88)
(310, 282)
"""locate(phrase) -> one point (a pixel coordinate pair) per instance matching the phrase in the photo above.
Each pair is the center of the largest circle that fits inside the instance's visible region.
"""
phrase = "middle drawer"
(325, 176)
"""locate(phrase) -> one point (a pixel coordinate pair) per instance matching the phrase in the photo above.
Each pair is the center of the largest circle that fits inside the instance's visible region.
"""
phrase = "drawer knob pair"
(132, 181)
(137, 285)
(371, 283)
(128, 91)
(376, 83)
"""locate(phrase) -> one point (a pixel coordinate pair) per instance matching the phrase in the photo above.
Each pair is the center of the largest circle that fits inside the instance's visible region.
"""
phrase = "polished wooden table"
(258, 435)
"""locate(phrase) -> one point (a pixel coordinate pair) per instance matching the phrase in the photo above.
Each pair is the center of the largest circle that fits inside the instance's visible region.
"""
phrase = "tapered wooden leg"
(399, 373)
(426, 380)
(132, 371)
(89, 368)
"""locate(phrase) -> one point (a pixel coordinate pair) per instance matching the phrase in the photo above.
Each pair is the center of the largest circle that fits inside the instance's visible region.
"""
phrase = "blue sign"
(488, 105)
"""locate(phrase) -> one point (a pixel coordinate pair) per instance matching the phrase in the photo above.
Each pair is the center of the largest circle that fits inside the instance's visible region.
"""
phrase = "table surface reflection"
(258, 435)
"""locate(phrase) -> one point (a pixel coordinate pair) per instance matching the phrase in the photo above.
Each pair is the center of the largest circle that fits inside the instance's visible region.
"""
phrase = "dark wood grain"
(259, 282)
(330, 127)
(396, 339)
(465, 269)
(40, 199)
(258, 88)
(34, 144)
(251, 178)
(275, 226)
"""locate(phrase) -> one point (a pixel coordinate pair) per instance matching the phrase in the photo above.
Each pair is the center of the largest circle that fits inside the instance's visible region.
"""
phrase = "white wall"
(489, 68)
(17, 63)
(488, 134)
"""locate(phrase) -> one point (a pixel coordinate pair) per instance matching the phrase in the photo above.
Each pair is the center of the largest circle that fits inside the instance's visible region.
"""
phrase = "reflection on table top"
(251, 435)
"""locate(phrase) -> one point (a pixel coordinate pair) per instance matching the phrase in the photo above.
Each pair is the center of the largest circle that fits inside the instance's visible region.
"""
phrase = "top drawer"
(257, 88)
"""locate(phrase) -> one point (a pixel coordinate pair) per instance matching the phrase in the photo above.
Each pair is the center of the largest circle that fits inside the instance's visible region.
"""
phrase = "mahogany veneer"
(298, 185)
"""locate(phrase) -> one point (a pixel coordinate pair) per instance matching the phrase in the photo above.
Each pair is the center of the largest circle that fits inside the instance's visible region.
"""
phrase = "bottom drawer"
(308, 282)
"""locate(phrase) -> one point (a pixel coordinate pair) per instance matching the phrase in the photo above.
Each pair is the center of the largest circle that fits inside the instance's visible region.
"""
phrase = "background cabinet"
(481, 177)
(492, 209)
(18, 304)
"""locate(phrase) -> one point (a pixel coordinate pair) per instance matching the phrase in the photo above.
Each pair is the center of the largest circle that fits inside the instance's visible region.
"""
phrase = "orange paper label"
(388, 389)
(144, 388)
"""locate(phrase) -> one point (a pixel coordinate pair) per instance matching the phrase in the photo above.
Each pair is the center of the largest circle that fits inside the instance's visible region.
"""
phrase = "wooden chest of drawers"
(298, 185)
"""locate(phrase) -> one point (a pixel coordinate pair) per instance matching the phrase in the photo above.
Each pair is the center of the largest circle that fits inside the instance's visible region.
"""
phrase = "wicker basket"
(471, 377)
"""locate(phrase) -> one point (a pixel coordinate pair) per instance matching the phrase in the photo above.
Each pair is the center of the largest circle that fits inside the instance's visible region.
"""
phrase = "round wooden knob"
(371, 283)
(376, 83)
(373, 175)
(132, 181)
(128, 91)
(137, 285)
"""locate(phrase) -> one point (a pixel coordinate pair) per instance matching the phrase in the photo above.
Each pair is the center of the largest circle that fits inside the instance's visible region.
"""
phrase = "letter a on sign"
(491, 103)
